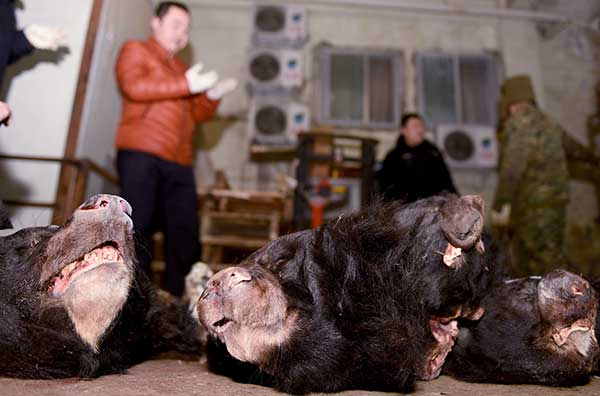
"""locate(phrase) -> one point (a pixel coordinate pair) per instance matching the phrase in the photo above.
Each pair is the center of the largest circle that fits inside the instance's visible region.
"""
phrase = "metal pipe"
(392, 5)
(447, 9)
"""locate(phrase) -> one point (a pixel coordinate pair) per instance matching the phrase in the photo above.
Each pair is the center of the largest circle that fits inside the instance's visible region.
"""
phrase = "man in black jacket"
(415, 168)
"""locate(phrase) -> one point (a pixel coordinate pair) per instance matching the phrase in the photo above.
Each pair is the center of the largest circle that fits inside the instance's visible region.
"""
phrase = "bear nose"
(226, 280)
(105, 201)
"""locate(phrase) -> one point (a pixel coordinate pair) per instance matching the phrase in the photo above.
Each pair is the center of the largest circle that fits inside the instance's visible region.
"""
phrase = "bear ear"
(462, 220)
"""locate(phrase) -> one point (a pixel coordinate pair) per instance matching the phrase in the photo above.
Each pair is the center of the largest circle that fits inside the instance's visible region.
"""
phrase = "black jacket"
(411, 173)
(13, 43)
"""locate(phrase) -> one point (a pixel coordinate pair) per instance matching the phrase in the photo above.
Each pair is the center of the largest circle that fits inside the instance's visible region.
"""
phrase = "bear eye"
(34, 242)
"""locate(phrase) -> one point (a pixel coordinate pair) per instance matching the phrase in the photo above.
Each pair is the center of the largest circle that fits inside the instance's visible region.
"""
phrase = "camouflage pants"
(537, 241)
(587, 172)
(583, 164)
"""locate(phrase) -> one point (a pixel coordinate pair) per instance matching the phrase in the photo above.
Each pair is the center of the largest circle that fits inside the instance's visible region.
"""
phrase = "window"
(457, 88)
(359, 87)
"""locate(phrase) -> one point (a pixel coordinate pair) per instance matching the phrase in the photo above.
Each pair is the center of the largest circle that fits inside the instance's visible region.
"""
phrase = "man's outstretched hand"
(45, 37)
(221, 88)
(198, 81)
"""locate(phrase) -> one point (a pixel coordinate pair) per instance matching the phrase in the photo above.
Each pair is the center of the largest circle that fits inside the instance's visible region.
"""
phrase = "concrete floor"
(178, 378)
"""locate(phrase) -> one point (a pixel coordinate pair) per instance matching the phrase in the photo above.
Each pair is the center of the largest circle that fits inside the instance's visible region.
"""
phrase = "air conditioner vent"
(270, 19)
(277, 120)
(459, 145)
(468, 146)
(265, 67)
(272, 70)
(271, 120)
(278, 26)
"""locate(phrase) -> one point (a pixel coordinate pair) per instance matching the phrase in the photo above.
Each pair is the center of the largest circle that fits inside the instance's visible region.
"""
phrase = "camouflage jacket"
(533, 168)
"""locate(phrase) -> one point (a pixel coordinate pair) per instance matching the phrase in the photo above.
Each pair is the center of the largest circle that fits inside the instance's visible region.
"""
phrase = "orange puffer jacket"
(159, 113)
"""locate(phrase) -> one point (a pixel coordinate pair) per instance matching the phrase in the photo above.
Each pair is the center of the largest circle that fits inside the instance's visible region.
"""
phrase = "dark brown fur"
(107, 319)
(535, 330)
(349, 305)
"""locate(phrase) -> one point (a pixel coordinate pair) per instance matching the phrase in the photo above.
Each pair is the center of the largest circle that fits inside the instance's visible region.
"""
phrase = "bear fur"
(74, 303)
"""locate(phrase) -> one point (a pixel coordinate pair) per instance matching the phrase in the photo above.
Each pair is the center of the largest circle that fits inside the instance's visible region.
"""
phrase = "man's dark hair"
(407, 116)
(163, 7)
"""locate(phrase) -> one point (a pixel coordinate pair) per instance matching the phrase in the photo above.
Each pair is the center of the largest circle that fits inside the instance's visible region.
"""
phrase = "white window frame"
(323, 63)
(492, 84)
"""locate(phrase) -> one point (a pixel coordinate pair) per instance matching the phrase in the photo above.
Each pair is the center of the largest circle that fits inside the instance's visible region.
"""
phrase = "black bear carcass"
(73, 302)
(537, 330)
(369, 301)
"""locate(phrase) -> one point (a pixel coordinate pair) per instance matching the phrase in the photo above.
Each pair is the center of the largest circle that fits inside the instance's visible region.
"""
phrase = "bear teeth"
(99, 255)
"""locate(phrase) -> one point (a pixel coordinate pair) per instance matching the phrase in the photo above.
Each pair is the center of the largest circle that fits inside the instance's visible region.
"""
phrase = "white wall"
(216, 28)
(120, 21)
(571, 70)
(41, 97)
(220, 39)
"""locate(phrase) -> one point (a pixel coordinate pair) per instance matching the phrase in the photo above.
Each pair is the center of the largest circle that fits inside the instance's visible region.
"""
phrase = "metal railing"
(69, 195)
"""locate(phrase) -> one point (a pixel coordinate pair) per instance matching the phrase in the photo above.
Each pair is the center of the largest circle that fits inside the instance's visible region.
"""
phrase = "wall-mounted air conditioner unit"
(270, 70)
(468, 146)
(274, 120)
(280, 25)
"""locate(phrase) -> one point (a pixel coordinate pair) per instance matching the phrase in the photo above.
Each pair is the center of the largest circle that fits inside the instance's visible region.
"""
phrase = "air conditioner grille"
(270, 19)
(271, 120)
(459, 146)
(264, 67)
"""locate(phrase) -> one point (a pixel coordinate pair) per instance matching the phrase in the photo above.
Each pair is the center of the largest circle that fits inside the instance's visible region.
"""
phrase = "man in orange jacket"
(163, 99)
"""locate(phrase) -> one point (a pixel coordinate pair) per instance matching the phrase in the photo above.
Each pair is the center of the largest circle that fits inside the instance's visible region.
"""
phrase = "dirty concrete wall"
(221, 38)
(571, 68)
(102, 107)
(230, 28)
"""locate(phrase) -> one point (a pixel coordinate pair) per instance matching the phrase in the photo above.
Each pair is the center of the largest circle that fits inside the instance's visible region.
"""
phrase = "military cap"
(516, 89)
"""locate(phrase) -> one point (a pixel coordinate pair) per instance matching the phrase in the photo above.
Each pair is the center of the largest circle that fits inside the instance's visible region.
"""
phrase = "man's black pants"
(163, 196)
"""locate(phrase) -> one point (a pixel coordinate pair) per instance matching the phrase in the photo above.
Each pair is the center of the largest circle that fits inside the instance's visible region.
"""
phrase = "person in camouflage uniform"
(533, 181)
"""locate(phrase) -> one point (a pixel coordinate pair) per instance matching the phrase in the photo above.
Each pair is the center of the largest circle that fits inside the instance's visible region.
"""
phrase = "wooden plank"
(72, 194)
(246, 194)
(9, 202)
(246, 217)
(232, 241)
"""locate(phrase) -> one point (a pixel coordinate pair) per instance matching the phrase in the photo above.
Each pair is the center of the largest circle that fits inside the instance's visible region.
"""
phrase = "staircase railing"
(69, 195)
